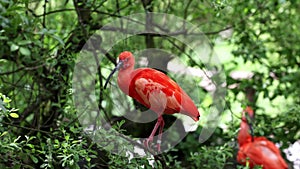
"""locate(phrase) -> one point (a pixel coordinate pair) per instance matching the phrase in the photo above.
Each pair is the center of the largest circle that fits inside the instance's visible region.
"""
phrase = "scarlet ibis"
(257, 151)
(155, 90)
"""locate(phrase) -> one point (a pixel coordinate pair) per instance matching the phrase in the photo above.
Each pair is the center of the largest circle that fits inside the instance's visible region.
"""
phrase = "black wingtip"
(198, 118)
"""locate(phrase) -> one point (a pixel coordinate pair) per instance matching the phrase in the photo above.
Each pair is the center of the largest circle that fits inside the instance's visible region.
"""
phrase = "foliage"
(211, 157)
(41, 40)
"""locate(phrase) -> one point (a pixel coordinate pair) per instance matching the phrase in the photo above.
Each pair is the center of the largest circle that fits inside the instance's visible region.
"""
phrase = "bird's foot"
(148, 144)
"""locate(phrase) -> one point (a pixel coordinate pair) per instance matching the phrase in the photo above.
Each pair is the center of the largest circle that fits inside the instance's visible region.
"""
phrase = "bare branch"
(50, 12)
(22, 68)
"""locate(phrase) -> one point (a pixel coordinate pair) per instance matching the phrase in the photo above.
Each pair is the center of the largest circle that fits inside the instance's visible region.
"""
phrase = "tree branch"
(22, 68)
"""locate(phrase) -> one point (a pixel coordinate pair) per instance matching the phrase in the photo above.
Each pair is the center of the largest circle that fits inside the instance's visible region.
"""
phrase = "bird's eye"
(123, 60)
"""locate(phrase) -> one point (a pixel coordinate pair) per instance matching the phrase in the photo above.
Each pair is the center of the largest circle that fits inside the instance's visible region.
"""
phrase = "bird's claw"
(149, 141)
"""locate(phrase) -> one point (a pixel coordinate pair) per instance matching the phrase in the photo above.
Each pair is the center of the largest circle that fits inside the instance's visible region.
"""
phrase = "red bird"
(155, 90)
(257, 151)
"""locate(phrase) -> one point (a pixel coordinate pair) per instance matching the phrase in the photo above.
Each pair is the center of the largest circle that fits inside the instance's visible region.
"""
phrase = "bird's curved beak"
(119, 65)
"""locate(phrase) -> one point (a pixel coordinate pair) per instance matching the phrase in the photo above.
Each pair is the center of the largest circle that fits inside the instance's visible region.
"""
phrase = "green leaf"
(34, 159)
(67, 137)
(4, 133)
(25, 51)
(3, 38)
(59, 40)
(30, 145)
(6, 99)
(24, 42)
(14, 47)
(14, 115)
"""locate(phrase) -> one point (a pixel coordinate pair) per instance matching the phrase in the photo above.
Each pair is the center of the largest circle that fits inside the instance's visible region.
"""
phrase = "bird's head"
(126, 62)
(248, 112)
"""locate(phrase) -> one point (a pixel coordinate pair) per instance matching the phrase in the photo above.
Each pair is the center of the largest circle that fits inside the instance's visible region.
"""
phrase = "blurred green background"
(256, 42)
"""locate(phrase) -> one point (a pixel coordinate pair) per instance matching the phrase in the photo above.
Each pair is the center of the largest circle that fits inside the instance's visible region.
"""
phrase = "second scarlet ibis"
(155, 90)
(257, 151)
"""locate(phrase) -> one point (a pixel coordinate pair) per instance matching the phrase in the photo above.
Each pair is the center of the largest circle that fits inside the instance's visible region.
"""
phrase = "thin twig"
(22, 68)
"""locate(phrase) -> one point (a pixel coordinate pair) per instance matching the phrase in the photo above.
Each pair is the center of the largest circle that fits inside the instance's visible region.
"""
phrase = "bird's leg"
(150, 138)
(158, 102)
(162, 124)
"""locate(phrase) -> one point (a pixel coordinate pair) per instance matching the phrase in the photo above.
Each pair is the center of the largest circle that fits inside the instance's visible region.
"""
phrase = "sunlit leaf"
(24, 42)
(14, 115)
(34, 159)
(25, 51)
(4, 133)
(14, 47)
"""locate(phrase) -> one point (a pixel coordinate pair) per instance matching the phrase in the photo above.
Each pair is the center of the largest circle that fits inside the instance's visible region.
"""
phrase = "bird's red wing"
(261, 152)
(266, 147)
(265, 142)
(251, 154)
(149, 84)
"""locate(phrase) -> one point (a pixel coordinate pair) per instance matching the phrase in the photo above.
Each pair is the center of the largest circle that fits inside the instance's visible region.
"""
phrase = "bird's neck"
(244, 135)
(124, 79)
